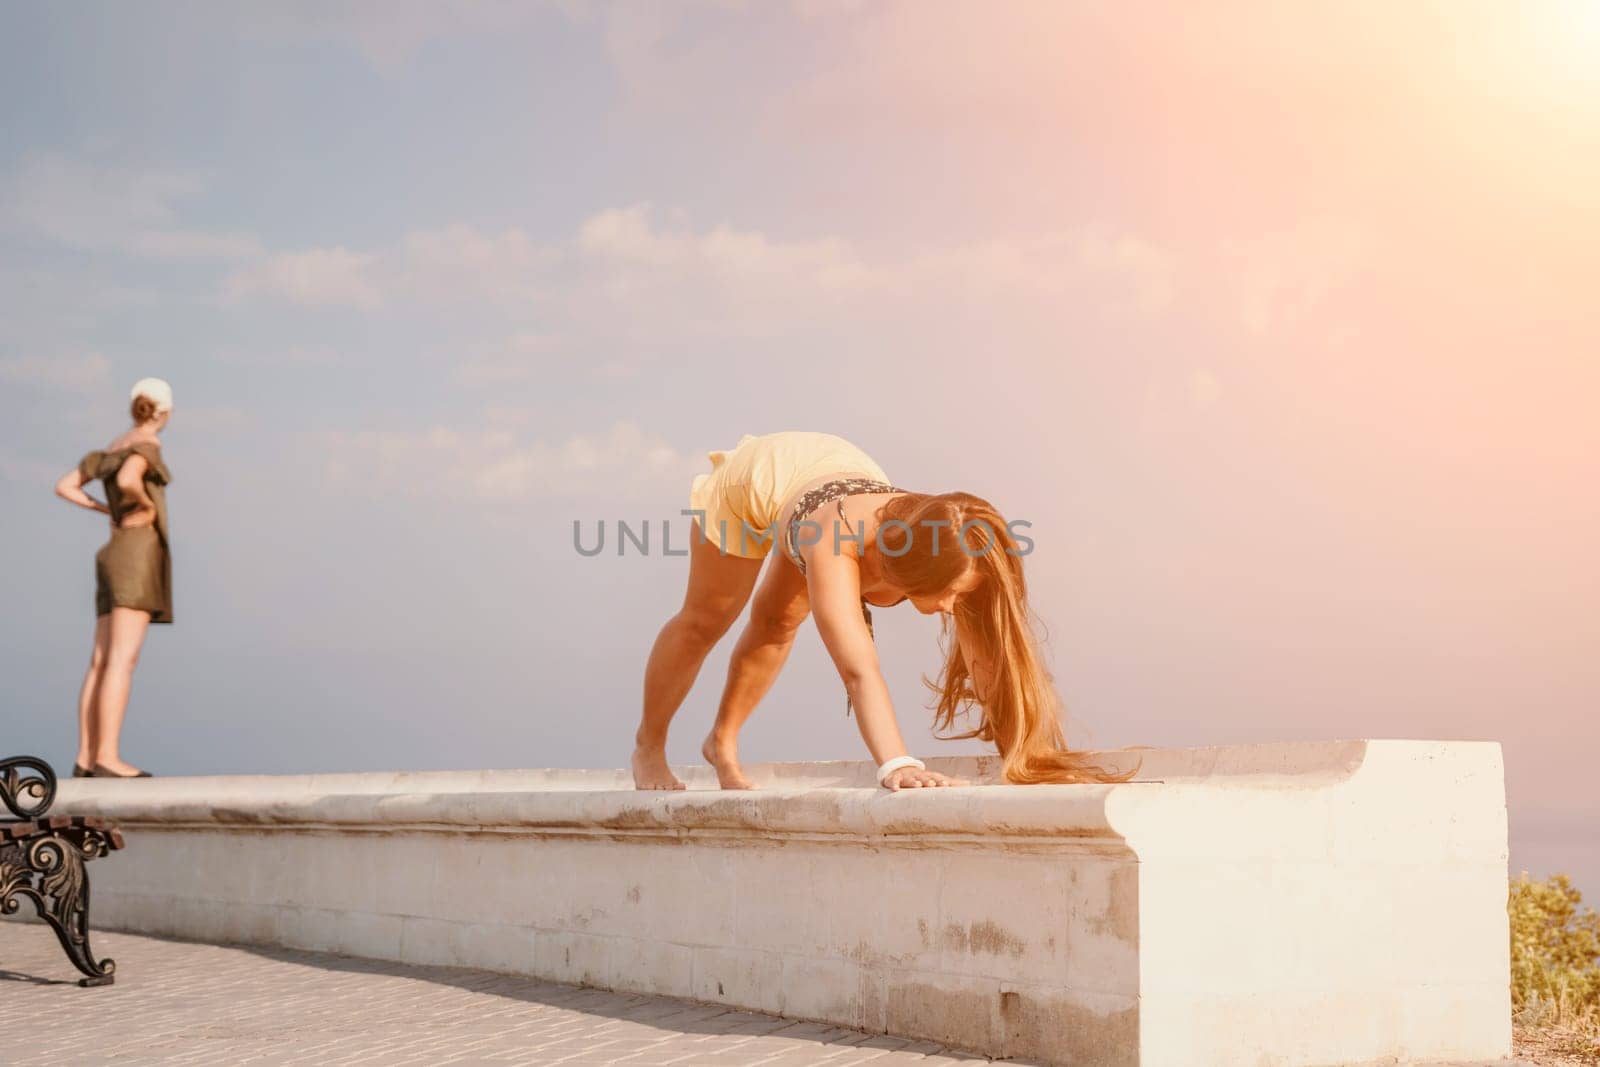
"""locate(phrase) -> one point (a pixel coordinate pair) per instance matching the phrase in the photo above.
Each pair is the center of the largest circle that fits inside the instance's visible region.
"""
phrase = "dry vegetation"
(1555, 973)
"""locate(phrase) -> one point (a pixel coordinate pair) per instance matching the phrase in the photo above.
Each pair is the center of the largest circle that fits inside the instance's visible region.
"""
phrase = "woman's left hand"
(916, 778)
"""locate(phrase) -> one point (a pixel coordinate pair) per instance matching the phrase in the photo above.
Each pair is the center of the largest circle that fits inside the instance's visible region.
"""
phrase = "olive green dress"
(134, 568)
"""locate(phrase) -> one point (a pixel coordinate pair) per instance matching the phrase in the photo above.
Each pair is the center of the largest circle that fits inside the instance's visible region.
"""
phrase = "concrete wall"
(1306, 903)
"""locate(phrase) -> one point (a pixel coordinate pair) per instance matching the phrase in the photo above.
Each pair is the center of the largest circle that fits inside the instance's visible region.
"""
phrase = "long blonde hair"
(1020, 711)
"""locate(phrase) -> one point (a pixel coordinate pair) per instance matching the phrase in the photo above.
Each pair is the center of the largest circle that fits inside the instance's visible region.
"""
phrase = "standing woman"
(133, 573)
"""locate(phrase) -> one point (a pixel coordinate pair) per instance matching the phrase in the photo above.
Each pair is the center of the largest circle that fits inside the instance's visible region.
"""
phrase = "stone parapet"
(1335, 902)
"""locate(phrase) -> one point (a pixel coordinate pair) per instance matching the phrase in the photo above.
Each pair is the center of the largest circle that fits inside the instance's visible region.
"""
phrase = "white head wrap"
(156, 390)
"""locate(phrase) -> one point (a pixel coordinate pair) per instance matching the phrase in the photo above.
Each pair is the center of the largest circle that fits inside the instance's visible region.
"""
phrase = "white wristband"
(895, 764)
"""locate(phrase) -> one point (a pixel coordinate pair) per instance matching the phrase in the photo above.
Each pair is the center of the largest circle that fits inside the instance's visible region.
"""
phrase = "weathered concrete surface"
(1302, 903)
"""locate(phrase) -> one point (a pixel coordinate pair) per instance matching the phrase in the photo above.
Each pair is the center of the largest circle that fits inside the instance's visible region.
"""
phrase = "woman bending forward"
(848, 538)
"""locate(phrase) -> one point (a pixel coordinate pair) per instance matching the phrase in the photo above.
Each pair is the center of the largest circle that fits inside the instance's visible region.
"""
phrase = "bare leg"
(719, 586)
(780, 606)
(127, 630)
(89, 694)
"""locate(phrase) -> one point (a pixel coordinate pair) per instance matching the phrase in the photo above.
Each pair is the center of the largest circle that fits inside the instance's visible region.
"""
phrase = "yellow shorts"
(740, 498)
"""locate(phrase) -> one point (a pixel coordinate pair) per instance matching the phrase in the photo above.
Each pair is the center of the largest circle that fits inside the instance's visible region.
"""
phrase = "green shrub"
(1555, 955)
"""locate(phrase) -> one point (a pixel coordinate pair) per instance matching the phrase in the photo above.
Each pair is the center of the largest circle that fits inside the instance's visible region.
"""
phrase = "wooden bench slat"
(17, 831)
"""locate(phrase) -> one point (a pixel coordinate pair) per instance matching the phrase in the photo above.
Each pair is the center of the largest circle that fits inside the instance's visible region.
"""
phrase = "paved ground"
(177, 1002)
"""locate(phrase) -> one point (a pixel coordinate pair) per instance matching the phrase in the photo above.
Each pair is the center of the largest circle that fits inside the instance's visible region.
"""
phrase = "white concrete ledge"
(1300, 903)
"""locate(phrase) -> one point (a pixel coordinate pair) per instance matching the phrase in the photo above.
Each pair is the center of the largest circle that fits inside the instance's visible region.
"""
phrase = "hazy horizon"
(1276, 322)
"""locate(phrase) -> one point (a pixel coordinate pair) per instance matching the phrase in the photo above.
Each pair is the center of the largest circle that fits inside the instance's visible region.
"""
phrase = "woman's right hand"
(916, 778)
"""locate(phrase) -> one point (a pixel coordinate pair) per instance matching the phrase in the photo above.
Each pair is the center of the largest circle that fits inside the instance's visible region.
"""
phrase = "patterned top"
(836, 490)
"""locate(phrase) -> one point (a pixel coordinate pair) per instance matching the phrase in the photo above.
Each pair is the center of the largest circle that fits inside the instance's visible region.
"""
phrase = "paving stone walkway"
(179, 1002)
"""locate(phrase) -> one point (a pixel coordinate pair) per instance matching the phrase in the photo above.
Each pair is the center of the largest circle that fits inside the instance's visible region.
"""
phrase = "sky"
(1276, 322)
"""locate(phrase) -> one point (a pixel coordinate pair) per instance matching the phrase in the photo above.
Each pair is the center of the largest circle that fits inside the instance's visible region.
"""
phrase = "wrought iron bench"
(42, 857)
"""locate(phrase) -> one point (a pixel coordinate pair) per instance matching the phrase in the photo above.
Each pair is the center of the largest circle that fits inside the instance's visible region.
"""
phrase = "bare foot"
(725, 758)
(650, 770)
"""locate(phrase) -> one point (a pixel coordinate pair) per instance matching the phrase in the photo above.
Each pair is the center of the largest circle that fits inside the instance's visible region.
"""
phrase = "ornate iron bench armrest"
(42, 858)
(27, 796)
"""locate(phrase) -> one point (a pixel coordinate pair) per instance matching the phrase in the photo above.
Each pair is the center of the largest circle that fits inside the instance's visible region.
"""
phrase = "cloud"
(621, 267)
(631, 238)
(644, 280)
(290, 356)
(1283, 278)
(316, 277)
(817, 9)
(459, 263)
(1118, 272)
(79, 373)
(390, 36)
(216, 420)
(102, 207)
(1178, 401)
(1204, 389)
(745, 269)
(498, 463)
(192, 244)
(1147, 269)
(634, 280)
(518, 359)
